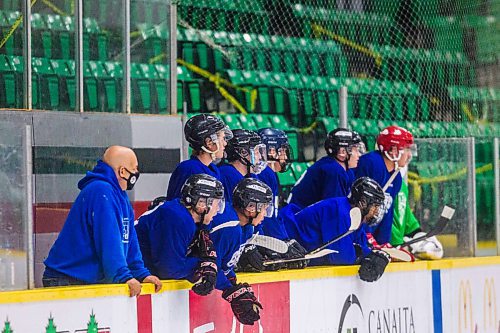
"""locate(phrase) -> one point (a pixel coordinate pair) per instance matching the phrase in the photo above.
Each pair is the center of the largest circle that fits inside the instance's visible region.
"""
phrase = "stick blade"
(398, 254)
(271, 243)
(225, 225)
(320, 254)
(356, 217)
(448, 212)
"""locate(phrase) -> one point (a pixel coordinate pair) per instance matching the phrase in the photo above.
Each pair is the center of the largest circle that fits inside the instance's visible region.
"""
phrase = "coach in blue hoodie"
(98, 243)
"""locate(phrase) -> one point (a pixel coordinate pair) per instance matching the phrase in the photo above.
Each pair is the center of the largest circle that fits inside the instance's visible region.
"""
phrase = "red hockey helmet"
(394, 136)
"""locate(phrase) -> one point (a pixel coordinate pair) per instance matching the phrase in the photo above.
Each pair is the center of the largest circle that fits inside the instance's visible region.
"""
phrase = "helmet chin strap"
(394, 159)
(212, 153)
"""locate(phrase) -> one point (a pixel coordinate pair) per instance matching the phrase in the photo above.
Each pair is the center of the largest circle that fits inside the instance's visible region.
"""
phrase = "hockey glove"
(373, 265)
(295, 250)
(202, 246)
(243, 302)
(427, 249)
(205, 278)
(156, 202)
(268, 254)
(251, 260)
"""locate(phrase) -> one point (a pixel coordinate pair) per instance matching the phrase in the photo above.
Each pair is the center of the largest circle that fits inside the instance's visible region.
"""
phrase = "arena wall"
(452, 295)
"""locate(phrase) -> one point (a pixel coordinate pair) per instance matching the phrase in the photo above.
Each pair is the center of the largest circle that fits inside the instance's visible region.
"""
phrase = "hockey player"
(279, 155)
(252, 201)
(323, 221)
(406, 227)
(395, 146)
(207, 136)
(167, 231)
(331, 176)
(246, 156)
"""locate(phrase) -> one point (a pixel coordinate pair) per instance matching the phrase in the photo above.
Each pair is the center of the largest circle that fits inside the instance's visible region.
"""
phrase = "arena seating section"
(297, 78)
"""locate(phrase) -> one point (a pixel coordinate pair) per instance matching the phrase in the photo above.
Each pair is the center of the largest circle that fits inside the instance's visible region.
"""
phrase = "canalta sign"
(383, 320)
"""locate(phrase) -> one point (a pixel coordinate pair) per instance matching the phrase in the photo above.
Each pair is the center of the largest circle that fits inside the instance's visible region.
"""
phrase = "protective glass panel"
(485, 198)
(150, 56)
(11, 54)
(103, 54)
(438, 176)
(13, 201)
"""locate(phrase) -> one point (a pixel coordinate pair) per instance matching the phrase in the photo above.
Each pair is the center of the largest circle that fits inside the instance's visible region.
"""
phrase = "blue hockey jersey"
(165, 234)
(184, 170)
(98, 243)
(318, 224)
(230, 177)
(324, 179)
(272, 226)
(372, 165)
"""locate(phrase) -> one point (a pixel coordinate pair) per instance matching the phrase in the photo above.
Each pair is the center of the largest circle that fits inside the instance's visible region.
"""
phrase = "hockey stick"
(321, 251)
(271, 243)
(355, 214)
(225, 225)
(391, 179)
(446, 216)
(308, 256)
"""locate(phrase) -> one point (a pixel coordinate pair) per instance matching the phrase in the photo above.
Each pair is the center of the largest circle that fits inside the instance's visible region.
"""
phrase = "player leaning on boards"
(279, 155)
(332, 175)
(207, 136)
(178, 245)
(252, 201)
(406, 227)
(394, 146)
(318, 224)
(98, 243)
(166, 234)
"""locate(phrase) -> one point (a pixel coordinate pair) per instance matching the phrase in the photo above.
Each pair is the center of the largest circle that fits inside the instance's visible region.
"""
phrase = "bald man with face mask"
(98, 243)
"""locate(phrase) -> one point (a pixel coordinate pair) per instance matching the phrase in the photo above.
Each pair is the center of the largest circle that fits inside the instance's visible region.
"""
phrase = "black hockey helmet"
(276, 141)
(202, 187)
(244, 147)
(336, 139)
(202, 126)
(253, 194)
(365, 193)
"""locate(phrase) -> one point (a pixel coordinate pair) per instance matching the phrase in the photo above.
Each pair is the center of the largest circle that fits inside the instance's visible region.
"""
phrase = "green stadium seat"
(247, 122)
(48, 83)
(141, 94)
(279, 121)
(232, 120)
(9, 97)
(260, 120)
(67, 84)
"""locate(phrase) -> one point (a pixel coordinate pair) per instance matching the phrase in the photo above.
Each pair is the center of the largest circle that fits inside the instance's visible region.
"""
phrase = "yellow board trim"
(110, 290)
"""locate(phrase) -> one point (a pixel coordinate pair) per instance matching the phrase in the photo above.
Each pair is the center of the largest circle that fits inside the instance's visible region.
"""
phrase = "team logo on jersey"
(126, 229)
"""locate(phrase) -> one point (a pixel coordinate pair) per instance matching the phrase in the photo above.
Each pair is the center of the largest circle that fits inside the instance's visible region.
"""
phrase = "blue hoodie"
(184, 170)
(98, 243)
(324, 179)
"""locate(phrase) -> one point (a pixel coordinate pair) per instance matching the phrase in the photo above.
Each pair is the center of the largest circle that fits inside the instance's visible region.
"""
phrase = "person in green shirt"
(406, 227)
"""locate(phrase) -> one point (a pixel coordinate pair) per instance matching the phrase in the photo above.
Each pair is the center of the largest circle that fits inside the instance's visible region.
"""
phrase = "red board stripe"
(50, 217)
(144, 314)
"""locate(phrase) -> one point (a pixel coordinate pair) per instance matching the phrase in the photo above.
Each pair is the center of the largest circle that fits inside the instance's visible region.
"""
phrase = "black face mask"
(132, 179)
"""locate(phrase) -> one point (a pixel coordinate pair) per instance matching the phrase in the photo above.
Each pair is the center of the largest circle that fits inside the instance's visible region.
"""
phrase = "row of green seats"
(254, 121)
(53, 36)
(304, 98)
(358, 27)
(226, 15)
(248, 51)
(425, 66)
(54, 85)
